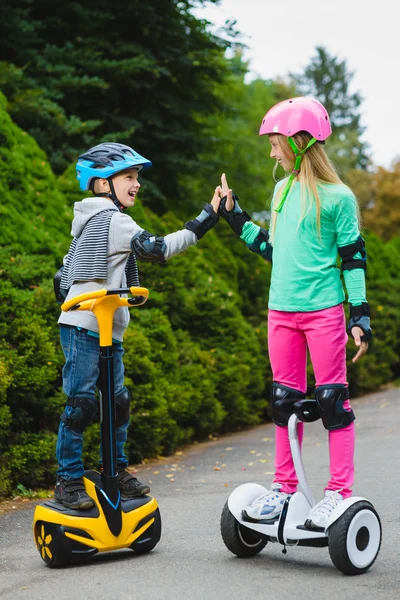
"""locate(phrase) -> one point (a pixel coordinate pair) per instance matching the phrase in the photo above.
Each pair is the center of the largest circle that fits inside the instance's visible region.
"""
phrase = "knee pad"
(122, 404)
(283, 400)
(330, 400)
(84, 413)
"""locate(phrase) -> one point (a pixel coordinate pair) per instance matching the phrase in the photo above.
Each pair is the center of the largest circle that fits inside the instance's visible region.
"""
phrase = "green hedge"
(196, 353)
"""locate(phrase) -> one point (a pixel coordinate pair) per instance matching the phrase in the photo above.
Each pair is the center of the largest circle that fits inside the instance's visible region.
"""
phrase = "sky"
(282, 36)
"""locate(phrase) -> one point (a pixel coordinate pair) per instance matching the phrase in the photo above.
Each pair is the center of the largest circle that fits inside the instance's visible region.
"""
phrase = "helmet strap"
(112, 195)
(296, 169)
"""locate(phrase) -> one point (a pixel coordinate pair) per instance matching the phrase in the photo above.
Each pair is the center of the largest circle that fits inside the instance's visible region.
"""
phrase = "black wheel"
(355, 539)
(149, 538)
(240, 540)
(51, 544)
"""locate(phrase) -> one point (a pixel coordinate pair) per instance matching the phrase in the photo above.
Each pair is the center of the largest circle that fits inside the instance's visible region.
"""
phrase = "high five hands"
(220, 192)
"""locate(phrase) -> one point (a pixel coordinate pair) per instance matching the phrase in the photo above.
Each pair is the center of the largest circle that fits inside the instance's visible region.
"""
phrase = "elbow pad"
(348, 252)
(360, 317)
(261, 245)
(147, 246)
(236, 217)
(203, 222)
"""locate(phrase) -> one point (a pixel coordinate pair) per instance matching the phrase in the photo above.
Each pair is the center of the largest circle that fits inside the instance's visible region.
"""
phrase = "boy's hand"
(216, 199)
(357, 332)
(225, 191)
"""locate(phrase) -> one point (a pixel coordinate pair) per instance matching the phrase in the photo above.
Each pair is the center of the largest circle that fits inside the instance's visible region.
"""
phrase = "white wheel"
(355, 539)
(240, 540)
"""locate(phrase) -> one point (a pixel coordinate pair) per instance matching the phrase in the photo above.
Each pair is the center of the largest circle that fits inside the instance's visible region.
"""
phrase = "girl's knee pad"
(330, 400)
(283, 399)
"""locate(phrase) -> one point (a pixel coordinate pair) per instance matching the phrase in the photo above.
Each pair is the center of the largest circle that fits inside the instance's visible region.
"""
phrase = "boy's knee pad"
(85, 410)
(283, 399)
(330, 400)
(122, 404)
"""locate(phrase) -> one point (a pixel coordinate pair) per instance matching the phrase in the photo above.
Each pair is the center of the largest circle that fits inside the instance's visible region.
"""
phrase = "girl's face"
(284, 158)
(126, 185)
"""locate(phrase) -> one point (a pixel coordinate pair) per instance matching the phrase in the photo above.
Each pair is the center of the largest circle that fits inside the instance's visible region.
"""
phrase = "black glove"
(236, 217)
(203, 222)
(360, 317)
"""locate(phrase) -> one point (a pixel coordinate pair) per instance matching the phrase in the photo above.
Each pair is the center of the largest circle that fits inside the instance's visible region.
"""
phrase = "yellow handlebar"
(103, 303)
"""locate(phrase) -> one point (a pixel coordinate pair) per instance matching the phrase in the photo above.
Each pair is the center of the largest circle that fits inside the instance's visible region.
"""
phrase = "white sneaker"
(321, 512)
(266, 507)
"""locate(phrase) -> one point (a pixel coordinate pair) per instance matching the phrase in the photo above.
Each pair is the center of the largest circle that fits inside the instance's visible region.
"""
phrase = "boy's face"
(126, 185)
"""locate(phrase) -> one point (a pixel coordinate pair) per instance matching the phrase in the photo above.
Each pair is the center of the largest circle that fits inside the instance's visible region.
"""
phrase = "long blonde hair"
(316, 168)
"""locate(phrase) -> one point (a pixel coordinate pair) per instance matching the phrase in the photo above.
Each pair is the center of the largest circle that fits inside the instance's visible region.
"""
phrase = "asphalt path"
(191, 561)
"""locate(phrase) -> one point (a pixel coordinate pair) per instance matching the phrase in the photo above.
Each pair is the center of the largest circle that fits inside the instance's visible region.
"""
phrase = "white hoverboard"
(353, 533)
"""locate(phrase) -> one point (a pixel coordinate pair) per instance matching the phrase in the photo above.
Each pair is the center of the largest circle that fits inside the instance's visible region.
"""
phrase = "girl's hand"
(357, 332)
(216, 199)
(225, 191)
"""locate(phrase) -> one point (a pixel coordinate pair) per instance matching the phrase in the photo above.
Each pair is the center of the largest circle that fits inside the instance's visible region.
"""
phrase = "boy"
(103, 255)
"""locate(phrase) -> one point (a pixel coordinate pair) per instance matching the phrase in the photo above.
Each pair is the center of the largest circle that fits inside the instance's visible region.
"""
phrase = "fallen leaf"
(216, 469)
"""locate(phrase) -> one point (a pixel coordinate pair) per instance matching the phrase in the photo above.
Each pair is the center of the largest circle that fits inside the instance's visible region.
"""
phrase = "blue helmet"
(105, 160)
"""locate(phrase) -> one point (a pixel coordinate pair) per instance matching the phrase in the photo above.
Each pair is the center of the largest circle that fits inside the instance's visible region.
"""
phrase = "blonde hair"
(315, 168)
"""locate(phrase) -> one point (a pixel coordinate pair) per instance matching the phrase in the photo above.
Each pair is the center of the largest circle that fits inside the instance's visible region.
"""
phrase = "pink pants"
(323, 332)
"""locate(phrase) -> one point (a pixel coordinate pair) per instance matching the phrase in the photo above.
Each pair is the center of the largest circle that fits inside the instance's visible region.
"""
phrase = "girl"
(314, 218)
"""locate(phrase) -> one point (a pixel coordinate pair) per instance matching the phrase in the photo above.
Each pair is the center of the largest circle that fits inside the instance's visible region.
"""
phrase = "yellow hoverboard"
(64, 535)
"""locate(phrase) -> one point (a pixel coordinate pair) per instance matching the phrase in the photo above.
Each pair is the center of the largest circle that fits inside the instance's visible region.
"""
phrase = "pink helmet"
(297, 114)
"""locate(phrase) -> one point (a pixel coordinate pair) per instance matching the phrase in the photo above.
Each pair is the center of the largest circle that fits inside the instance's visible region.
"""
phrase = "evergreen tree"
(328, 79)
(77, 73)
(234, 145)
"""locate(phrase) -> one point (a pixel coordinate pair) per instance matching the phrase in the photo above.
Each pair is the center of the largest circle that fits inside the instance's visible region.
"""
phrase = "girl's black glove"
(360, 317)
(236, 217)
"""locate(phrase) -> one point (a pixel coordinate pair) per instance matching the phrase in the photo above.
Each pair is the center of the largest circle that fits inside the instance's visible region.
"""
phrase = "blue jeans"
(80, 377)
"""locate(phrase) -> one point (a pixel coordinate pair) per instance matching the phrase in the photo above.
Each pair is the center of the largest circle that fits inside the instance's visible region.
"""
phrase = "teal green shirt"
(305, 276)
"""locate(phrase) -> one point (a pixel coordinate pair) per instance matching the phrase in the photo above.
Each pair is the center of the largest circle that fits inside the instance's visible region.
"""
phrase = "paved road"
(191, 561)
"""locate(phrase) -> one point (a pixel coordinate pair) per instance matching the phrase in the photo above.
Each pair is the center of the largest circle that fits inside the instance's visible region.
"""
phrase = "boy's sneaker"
(321, 512)
(72, 494)
(266, 507)
(130, 487)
